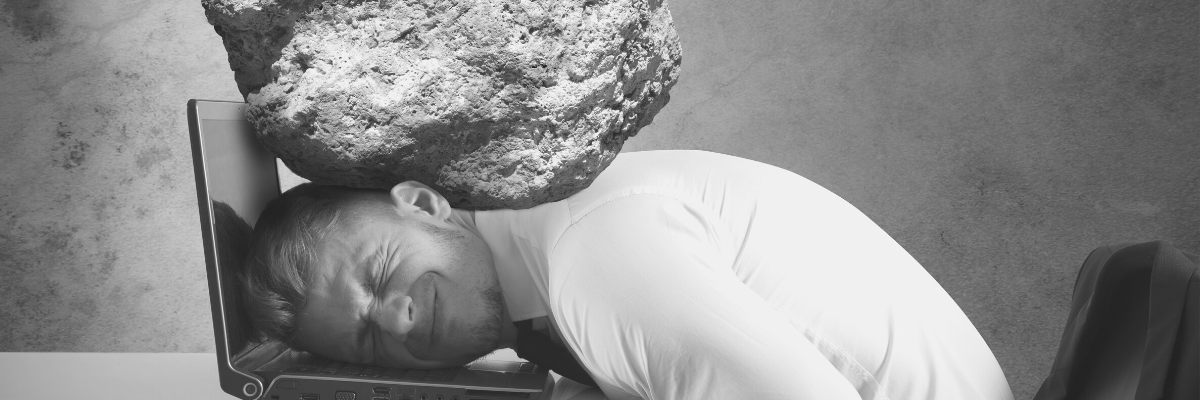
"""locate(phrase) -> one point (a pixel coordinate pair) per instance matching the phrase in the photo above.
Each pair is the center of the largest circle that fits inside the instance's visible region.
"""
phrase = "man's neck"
(464, 218)
(508, 331)
(508, 334)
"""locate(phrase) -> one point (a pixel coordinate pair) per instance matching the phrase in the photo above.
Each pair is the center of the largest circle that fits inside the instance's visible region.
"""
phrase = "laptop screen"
(241, 179)
(236, 177)
(241, 174)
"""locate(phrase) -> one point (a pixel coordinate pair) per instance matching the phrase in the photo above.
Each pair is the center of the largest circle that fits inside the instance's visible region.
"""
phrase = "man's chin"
(476, 351)
(467, 359)
(471, 342)
(460, 358)
(481, 342)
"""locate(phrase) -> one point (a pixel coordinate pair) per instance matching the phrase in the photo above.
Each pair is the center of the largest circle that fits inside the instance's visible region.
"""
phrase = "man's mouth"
(433, 307)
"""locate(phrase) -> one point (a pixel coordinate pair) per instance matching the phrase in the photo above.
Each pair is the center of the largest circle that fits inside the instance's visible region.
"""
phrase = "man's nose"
(396, 317)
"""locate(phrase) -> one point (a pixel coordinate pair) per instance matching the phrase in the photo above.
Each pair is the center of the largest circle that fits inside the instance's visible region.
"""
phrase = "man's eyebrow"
(376, 271)
(373, 280)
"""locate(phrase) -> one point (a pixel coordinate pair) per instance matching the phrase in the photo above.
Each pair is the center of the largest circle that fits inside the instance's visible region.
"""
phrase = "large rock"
(494, 103)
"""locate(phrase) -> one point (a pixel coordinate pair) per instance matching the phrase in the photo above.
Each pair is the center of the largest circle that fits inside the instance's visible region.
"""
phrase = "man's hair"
(279, 265)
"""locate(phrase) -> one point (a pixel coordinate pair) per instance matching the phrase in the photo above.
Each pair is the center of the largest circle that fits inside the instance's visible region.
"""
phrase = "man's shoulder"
(686, 168)
(651, 158)
(691, 176)
(680, 172)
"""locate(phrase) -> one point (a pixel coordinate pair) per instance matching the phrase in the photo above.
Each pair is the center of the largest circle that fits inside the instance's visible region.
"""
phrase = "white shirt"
(687, 275)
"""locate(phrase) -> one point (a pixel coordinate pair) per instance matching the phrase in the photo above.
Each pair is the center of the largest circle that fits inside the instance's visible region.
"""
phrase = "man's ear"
(413, 196)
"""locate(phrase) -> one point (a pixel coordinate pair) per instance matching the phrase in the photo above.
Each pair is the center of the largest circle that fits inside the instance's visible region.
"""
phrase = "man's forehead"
(343, 264)
(325, 333)
(329, 318)
(340, 270)
(349, 241)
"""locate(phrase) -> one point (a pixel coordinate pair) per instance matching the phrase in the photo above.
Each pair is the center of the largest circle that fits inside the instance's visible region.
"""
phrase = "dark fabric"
(539, 349)
(1134, 328)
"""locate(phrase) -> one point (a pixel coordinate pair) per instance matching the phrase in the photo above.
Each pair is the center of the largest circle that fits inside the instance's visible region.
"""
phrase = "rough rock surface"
(494, 103)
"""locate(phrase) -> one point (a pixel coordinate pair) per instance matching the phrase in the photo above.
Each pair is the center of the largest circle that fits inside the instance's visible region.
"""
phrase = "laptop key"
(331, 368)
(527, 368)
(349, 370)
(393, 373)
(413, 374)
(439, 375)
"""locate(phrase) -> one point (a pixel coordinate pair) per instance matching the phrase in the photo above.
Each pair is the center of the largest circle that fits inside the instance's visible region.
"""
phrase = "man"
(675, 275)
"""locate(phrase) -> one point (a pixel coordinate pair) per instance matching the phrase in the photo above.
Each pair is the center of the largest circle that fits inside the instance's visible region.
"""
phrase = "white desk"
(150, 376)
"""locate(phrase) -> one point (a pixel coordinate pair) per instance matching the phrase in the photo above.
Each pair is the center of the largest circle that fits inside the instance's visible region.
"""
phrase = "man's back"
(682, 274)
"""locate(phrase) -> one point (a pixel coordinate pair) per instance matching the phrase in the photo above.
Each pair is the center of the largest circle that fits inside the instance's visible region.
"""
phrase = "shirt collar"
(518, 240)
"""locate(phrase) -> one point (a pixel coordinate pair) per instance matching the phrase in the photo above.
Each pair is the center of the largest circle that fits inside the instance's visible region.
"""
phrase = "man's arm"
(643, 293)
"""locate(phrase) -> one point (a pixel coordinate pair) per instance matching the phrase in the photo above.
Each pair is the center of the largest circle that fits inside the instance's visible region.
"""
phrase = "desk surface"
(136, 376)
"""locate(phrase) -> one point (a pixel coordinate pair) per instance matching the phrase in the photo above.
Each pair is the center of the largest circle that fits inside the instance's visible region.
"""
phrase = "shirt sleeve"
(642, 291)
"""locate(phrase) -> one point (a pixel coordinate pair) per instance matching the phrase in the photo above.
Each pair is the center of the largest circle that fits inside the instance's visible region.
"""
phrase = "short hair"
(279, 264)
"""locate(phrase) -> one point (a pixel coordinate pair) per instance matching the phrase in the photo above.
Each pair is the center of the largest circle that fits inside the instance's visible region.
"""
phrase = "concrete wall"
(997, 141)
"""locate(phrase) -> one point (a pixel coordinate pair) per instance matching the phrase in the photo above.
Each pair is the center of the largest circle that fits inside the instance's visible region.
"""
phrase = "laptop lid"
(235, 179)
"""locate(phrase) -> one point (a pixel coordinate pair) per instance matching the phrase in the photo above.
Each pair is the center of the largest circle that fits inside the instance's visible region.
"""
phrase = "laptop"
(235, 179)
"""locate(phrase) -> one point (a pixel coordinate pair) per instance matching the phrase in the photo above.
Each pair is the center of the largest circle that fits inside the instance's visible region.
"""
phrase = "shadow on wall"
(31, 18)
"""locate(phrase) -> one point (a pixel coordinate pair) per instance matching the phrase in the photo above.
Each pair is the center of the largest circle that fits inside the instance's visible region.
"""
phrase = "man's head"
(372, 276)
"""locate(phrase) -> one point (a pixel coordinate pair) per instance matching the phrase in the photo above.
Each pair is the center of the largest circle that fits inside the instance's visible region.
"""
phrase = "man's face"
(401, 291)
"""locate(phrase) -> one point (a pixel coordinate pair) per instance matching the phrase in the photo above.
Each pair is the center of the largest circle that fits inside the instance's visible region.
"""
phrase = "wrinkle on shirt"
(868, 308)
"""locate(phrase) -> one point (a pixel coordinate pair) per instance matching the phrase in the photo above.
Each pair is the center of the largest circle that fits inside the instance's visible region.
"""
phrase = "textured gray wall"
(997, 141)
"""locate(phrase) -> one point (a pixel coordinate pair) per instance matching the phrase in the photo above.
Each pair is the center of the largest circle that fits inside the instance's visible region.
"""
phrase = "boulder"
(494, 103)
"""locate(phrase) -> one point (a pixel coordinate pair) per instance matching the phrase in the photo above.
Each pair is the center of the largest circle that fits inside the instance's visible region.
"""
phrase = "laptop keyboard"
(337, 368)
